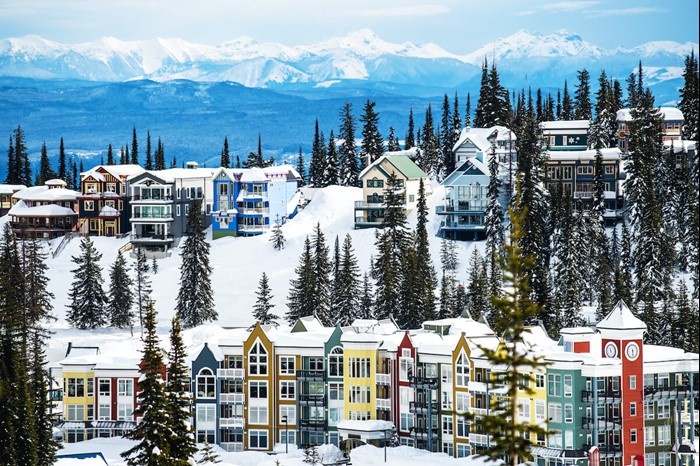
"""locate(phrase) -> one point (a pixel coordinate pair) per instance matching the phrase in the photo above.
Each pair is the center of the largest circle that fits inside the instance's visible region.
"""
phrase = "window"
(633, 436)
(633, 409)
(405, 396)
(288, 436)
(555, 439)
(335, 362)
(316, 364)
(463, 450)
(664, 435)
(257, 389)
(375, 183)
(568, 385)
(554, 385)
(206, 413)
(649, 459)
(104, 412)
(287, 390)
(585, 170)
(539, 380)
(359, 394)
(568, 413)
(177, 210)
(104, 387)
(335, 391)
(290, 411)
(461, 402)
(554, 412)
(257, 415)
(90, 188)
(664, 459)
(90, 387)
(609, 170)
(446, 400)
(89, 205)
(206, 436)
(406, 421)
(76, 387)
(405, 367)
(125, 387)
(287, 365)
(447, 426)
(540, 415)
(334, 415)
(411, 198)
(257, 360)
(448, 447)
(76, 412)
(205, 384)
(663, 409)
(523, 410)
(359, 367)
(569, 439)
(662, 380)
(446, 374)
(462, 371)
(650, 435)
(125, 412)
(648, 410)
(633, 382)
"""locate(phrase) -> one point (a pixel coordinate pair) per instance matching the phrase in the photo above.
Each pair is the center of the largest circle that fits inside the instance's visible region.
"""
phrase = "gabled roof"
(403, 165)
(470, 166)
(621, 318)
(669, 113)
(117, 171)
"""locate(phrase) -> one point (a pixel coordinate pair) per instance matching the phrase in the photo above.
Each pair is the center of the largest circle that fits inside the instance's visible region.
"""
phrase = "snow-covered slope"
(357, 55)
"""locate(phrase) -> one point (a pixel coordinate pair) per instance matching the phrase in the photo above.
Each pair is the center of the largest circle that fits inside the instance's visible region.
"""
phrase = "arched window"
(206, 383)
(257, 359)
(335, 362)
(462, 370)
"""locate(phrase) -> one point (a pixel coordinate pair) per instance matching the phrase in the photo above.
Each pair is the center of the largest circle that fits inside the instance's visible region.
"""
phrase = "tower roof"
(621, 318)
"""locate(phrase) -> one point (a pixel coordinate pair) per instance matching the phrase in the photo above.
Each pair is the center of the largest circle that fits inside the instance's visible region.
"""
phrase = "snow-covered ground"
(237, 265)
(366, 455)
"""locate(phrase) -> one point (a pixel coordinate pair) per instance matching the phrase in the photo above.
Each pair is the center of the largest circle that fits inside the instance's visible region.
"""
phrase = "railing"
(424, 431)
(606, 449)
(479, 439)
(125, 248)
(423, 382)
(464, 225)
(473, 206)
(369, 205)
(605, 396)
(237, 421)
(318, 424)
(685, 417)
(479, 411)
(160, 215)
(384, 404)
(314, 376)
(244, 227)
(583, 194)
(312, 399)
(601, 423)
(231, 398)
(253, 210)
(678, 391)
(139, 198)
(383, 379)
(253, 195)
(230, 373)
(232, 446)
(135, 237)
(418, 407)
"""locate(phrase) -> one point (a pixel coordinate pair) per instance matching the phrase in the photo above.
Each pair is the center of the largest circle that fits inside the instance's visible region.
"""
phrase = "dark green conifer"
(87, 299)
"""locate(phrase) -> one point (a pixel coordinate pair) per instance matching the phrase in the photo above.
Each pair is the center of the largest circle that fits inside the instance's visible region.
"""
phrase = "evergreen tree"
(571, 281)
(18, 160)
(12, 177)
(448, 255)
(493, 106)
(624, 284)
(347, 288)
(225, 156)
(154, 432)
(277, 235)
(347, 152)
(318, 160)
(302, 288)
(410, 135)
(447, 301)
(392, 242)
(322, 268)
(509, 437)
(301, 169)
(37, 302)
(121, 301)
(372, 146)
(160, 156)
(142, 284)
(208, 455)
(311, 455)
(62, 168)
(134, 148)
(86, 297)
(110, 156)
(45, 171)
(690, 97)
(149, 150)
(195, 299)
(456, 121)
(604, 127)
(331, 173)
(582, 96)
(567, 110)
(262, 310)
(428, 155)
(447, 138)
(74, 176)
(392, 144)
(493, 220)
(366, 310)
(477, 289)
(181, 444)
(154, 265)
(47, 446)
(468, 111)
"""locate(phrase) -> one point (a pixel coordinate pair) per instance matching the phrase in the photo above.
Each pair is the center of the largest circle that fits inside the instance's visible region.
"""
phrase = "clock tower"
(621, 336)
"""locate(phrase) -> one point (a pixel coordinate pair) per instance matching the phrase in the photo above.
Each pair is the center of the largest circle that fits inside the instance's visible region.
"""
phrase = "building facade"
(47, 212)
(671, 127)
(565, 134)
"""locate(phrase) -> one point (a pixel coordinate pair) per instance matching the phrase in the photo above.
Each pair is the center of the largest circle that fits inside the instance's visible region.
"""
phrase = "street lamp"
(286, 434)
(385, 442)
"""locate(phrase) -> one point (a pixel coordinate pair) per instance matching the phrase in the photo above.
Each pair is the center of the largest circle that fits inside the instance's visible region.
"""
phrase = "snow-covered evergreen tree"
(182, 446)
(410, 141)
(87, 299)
(207, 455)
(142, 283)
(277, 235)
(372, 146)
(262, 309)
(46, 445)
(366, 310)
(195, 299)
(121, 299)
(477, 289)
(582, 96)
(347, 287)
(689, 102)
(153, 432)
(447, 138)
(322, 268)
(302, 288)
(392, 143)
(347, 152)
(428, 154)
(493, 220)
(331, 173)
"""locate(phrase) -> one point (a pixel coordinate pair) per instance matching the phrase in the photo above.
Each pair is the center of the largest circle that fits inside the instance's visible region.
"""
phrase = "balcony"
(479, 439)
(463, 207)
(254, 195)
(606, 396)
(418, 407)
(606, 450)
(243, 228)
(139, 199)
(424, 432)
(423, 383)
(679, 391)
(236, 398)
(164, 216)
(384, 404)
(312, 424)
(254, 210)
(311, 376)
(383, 379)
(685, 417)
(601, 423)
(307, 399)
(230, 374)
(232, 446)
(151, 239)
(362, 205)
(232, 422)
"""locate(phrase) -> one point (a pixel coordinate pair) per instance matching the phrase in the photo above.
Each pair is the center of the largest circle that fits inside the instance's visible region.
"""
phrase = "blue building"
(247, 201)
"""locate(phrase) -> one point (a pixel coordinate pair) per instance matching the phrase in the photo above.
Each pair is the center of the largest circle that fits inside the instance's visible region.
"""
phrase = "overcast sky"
(460, 26)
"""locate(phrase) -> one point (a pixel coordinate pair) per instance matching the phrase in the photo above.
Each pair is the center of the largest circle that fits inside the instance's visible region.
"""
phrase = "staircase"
(66, 239)
(125, 248)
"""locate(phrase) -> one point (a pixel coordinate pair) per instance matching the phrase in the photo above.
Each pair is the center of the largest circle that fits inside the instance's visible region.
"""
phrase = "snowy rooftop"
(612, 153)
(118, 171)
(11, 188)
(669, 113)
(172, 174)
(459, 325)
(20, 209)
(254, 174)
(565, 124)
(621, 318)
(654, 353)
(45, 193)
(480, 136)
(366, 426)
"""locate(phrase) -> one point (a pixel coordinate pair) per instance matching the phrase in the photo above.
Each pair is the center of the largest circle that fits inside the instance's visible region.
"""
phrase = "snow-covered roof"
(480, 136)
(108, 211)
(254, 174)
(172, 174)
(410, 153)
(11, 188)
(55, 182)
(45, 193)
(366, 426)
(118, 171)
(576, 331)
(565, 124)
(20, 209)
(404, 165)
(621, 318)
(669, 113)
(608, 153)
(284, 169)
(461, 325)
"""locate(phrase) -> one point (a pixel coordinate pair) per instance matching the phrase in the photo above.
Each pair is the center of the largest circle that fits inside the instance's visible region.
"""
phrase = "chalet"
(473, 141)
(103, 203)
(247, 201)
(671, 127)
(6, 192)
(369, 212)
(160, 202)
(48, 211)
(565, 134)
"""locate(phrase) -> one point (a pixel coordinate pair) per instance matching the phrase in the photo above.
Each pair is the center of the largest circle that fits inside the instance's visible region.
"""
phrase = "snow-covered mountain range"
(359, 55)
